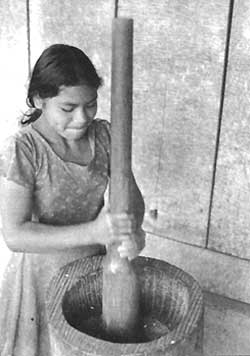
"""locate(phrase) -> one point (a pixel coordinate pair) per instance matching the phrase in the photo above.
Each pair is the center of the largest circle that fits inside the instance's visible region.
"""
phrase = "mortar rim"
(184, 330)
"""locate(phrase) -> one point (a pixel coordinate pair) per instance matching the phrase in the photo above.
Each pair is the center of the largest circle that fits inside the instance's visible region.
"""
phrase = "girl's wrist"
(89, 230)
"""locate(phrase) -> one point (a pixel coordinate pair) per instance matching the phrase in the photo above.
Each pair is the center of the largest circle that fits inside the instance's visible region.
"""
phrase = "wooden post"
(120, 299)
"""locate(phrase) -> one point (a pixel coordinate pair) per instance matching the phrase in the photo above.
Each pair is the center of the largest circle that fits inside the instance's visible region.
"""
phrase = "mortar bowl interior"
(164, 302)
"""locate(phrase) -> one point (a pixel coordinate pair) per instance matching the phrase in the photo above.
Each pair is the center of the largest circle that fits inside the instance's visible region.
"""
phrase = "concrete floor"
(226, 327)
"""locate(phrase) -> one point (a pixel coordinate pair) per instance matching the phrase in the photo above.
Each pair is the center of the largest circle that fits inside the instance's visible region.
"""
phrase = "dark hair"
(59, 65)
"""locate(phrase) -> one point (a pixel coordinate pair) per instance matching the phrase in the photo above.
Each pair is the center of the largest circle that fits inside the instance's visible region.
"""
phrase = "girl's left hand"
(132, 246)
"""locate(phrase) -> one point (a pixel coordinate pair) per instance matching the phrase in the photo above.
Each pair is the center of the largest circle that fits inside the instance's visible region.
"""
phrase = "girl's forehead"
(79, 93)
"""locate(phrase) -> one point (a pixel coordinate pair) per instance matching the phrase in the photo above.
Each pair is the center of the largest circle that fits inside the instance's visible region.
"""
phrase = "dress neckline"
(90, 137)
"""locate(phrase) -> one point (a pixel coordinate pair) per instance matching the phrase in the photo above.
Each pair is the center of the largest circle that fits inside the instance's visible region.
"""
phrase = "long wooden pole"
(120, 286)
(121, 114)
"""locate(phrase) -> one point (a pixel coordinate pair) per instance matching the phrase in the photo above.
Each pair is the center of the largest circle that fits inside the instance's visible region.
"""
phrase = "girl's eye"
(67, 110)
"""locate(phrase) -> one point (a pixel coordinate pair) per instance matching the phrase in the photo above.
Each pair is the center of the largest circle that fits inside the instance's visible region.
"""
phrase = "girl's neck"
(48, 132)
(52, 136)
(78, 151)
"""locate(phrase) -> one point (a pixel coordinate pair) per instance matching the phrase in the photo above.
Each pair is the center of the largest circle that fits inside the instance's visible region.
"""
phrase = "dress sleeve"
(17, 163)
(104, 138)
(105, 133)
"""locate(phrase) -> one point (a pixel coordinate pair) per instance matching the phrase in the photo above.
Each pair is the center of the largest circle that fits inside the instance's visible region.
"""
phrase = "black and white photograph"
(125, 178)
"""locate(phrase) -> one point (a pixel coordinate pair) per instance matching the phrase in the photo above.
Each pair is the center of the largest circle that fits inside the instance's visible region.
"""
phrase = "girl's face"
(70, 112)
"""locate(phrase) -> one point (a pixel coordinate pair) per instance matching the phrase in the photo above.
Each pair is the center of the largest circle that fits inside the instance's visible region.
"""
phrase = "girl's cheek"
(63, 121)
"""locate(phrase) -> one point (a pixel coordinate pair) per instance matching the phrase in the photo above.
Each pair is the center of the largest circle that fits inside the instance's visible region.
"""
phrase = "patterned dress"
(64, 193)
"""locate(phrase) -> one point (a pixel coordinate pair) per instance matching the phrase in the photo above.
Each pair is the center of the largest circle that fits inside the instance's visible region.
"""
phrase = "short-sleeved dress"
(64, 193)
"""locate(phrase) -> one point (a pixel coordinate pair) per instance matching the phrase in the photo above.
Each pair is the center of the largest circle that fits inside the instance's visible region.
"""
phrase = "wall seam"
(221, 108)
(196, 246)
(116, 8)
(28, 35)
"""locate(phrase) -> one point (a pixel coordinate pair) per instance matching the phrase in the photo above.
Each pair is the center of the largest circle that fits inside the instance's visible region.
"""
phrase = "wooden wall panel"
(13, 74)
(13, 63)
(215, 271)
(178, 64)
(82, 23)
(230, 223)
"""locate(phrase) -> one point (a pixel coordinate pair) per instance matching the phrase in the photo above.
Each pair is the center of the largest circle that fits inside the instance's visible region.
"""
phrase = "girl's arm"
(23, 235)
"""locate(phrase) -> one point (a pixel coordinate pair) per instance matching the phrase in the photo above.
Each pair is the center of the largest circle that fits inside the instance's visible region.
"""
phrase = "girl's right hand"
(113, 228)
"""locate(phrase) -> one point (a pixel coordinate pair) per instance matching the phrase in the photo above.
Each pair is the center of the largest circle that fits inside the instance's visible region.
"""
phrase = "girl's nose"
(80, 116)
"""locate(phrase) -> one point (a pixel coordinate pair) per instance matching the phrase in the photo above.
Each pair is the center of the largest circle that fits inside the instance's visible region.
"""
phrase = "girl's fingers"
(128, 248)
(122, 230)
(124, 221)
(124, 239)
(126, 245)
(130, 254)
(120, 223)
(131, 245)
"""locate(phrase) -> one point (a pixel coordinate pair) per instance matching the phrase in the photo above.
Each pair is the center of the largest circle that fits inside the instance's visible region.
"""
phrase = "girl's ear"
(38, 102)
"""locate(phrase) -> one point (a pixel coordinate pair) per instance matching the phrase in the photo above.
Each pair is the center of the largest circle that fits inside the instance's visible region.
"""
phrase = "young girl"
(54, 175)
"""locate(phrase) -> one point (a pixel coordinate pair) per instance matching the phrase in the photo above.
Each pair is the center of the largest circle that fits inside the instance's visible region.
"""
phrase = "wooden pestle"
(120, 297)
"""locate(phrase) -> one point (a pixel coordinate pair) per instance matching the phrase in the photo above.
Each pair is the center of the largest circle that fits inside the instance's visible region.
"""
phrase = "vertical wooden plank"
(230, 223)
(179, 54)
(82, 23)
(13, 63)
